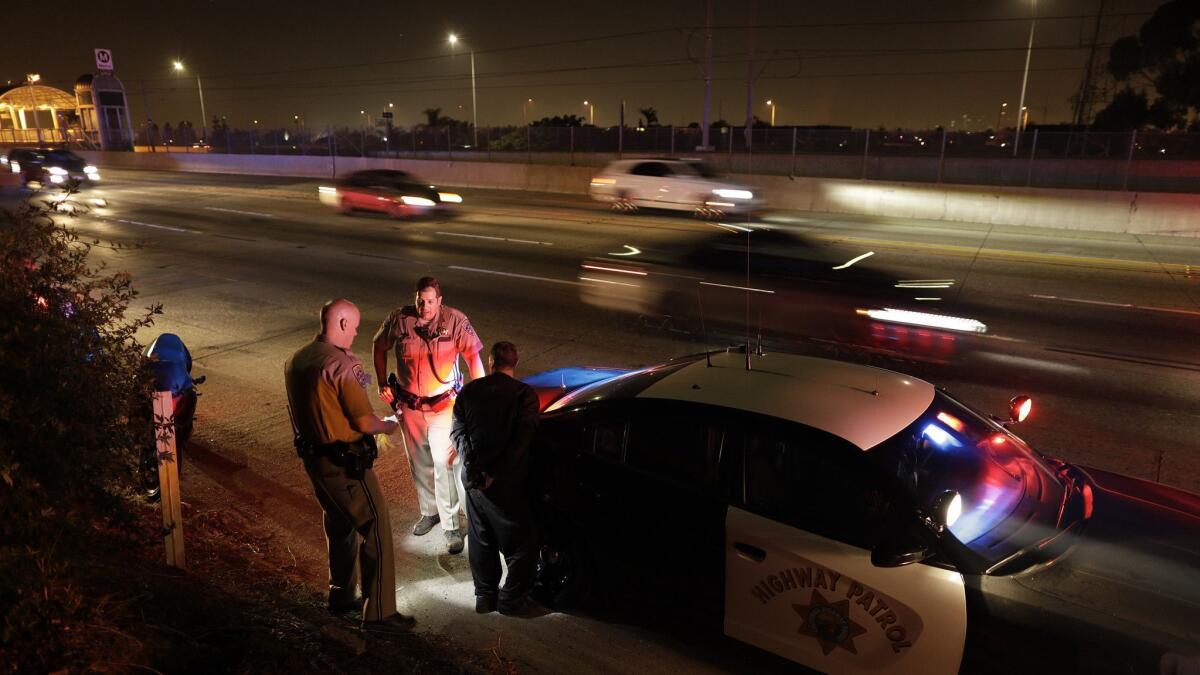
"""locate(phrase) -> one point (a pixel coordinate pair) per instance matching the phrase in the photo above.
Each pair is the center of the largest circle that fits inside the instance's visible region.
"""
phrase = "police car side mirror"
(902, 544)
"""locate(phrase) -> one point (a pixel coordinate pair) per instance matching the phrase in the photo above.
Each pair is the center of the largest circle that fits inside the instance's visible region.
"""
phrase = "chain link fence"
(1155, 161)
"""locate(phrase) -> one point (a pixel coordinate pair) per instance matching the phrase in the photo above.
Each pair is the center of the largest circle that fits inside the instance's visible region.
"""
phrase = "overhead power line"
(446, 54)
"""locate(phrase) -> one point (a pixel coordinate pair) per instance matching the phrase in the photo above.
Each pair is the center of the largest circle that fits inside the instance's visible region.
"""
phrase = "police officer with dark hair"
(495, 419)
(335, 427)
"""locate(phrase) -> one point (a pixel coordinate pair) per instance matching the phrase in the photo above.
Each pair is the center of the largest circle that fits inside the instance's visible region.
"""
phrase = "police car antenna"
(747, 349)
(703, 330)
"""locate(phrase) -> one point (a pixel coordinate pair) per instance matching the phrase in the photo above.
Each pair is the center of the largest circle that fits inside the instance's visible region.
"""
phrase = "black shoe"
(340, 607)
(522, 608)
(425, 524)
(454, 541)
(396, 623)
(485, 604)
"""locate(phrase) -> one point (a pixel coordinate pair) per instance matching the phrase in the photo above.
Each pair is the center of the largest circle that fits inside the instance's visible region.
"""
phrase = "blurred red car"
(396, 193)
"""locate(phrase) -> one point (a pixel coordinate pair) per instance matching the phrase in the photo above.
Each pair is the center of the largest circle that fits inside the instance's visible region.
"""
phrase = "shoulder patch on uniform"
(361, 375)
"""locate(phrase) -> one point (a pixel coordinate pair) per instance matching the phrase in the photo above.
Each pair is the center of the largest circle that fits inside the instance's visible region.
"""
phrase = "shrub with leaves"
(73, 383)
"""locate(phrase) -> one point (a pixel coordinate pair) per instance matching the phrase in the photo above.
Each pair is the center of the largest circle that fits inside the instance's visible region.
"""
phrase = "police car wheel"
(565, 576)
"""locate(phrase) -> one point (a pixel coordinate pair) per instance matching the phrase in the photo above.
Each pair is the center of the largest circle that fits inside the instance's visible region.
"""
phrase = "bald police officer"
(428, 338)
(334, 425)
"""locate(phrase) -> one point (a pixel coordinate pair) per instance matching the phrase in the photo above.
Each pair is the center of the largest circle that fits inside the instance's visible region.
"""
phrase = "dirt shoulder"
(243, 605)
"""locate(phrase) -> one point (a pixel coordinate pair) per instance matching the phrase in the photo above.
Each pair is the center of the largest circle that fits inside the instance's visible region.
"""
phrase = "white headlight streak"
(416, 201)
(925, 319)
(728, 193)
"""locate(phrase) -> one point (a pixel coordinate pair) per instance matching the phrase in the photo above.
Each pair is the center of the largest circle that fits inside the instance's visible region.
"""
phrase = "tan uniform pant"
(359, 535)
(439, 487)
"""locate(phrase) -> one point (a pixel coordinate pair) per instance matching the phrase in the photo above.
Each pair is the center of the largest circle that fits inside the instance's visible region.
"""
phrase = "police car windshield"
(1009, 494)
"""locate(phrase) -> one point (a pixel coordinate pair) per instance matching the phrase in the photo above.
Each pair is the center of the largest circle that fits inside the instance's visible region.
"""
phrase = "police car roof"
(861, 404)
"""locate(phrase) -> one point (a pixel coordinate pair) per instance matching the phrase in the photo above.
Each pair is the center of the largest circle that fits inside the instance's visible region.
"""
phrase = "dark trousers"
(359, 536)
(499, 521)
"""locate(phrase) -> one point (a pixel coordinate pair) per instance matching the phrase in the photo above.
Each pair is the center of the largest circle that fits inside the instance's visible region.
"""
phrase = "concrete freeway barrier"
(1156, 213)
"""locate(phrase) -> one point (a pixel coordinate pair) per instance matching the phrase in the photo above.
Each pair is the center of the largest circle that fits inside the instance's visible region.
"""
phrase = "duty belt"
(415, 402)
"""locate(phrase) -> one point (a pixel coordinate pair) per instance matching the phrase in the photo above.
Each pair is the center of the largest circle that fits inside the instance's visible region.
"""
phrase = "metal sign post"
(168, 478)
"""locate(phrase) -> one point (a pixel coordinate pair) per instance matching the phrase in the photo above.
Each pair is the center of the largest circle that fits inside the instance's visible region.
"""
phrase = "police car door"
(799, 580)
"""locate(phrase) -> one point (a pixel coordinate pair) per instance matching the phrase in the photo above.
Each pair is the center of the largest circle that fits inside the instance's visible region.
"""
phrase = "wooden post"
(168, 478)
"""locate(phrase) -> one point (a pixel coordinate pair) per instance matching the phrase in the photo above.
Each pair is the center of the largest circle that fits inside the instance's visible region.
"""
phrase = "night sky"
(853, 62)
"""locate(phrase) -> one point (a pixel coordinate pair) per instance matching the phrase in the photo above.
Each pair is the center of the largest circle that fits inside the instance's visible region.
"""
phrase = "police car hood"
(1136, 562)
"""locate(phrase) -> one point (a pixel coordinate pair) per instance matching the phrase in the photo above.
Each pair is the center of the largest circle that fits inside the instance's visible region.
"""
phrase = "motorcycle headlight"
(733, 194)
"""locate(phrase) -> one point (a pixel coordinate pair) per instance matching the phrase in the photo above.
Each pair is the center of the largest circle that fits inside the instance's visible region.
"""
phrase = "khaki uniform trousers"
(359, 535)
(427, 444)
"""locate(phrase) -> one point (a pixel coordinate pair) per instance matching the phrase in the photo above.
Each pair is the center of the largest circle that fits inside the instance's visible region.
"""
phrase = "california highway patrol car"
(856, 520)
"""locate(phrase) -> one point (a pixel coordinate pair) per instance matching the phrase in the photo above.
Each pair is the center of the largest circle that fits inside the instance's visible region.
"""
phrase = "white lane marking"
(514, 275)
(925, 283)
(159, 227)
(737, 288)
(606, 281)
(244, 213)
(731, 228)
(1032, 363)
(630, 250)
(602, 268)
(1121, 305)
(483, 236)
(851, 261)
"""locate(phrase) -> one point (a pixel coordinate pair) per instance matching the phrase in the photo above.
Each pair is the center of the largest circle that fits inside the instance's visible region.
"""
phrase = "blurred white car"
(675, 184)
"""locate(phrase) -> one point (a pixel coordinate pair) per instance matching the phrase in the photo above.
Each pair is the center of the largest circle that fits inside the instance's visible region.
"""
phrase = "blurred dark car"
(38, 167)
(780, 285)
(396, 193)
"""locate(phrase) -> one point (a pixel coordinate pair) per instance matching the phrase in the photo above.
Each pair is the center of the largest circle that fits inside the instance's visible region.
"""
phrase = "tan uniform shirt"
(326, 387)
(450, 336)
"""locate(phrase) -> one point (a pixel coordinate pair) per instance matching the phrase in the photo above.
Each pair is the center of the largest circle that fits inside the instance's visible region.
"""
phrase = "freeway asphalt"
(1100, 329)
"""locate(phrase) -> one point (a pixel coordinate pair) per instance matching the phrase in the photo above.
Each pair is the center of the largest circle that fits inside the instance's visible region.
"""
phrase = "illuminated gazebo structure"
(96, 115)
(34, 113)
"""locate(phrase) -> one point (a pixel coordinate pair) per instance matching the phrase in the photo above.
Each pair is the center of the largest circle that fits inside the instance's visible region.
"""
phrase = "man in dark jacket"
(495, 418)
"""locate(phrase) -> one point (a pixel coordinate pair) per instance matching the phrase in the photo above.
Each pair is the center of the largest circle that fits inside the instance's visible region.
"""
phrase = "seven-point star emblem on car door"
(829, 623)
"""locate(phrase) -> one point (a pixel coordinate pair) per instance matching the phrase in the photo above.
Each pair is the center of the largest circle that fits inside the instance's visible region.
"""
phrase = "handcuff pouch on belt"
(355, 457)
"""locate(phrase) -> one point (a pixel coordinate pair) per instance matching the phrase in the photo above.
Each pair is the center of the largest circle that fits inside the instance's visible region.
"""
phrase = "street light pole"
(203, 115)
(771, 102)
(474, 110)
(1024, 82)
(453, 40)
(591, 112)
(200, 88)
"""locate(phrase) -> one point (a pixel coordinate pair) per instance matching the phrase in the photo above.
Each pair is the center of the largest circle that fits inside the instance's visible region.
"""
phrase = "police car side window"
(677, 448)
(815, 482)
(607, 439)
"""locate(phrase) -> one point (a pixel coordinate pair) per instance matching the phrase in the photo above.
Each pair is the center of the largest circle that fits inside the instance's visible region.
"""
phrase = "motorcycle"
(172, 363)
